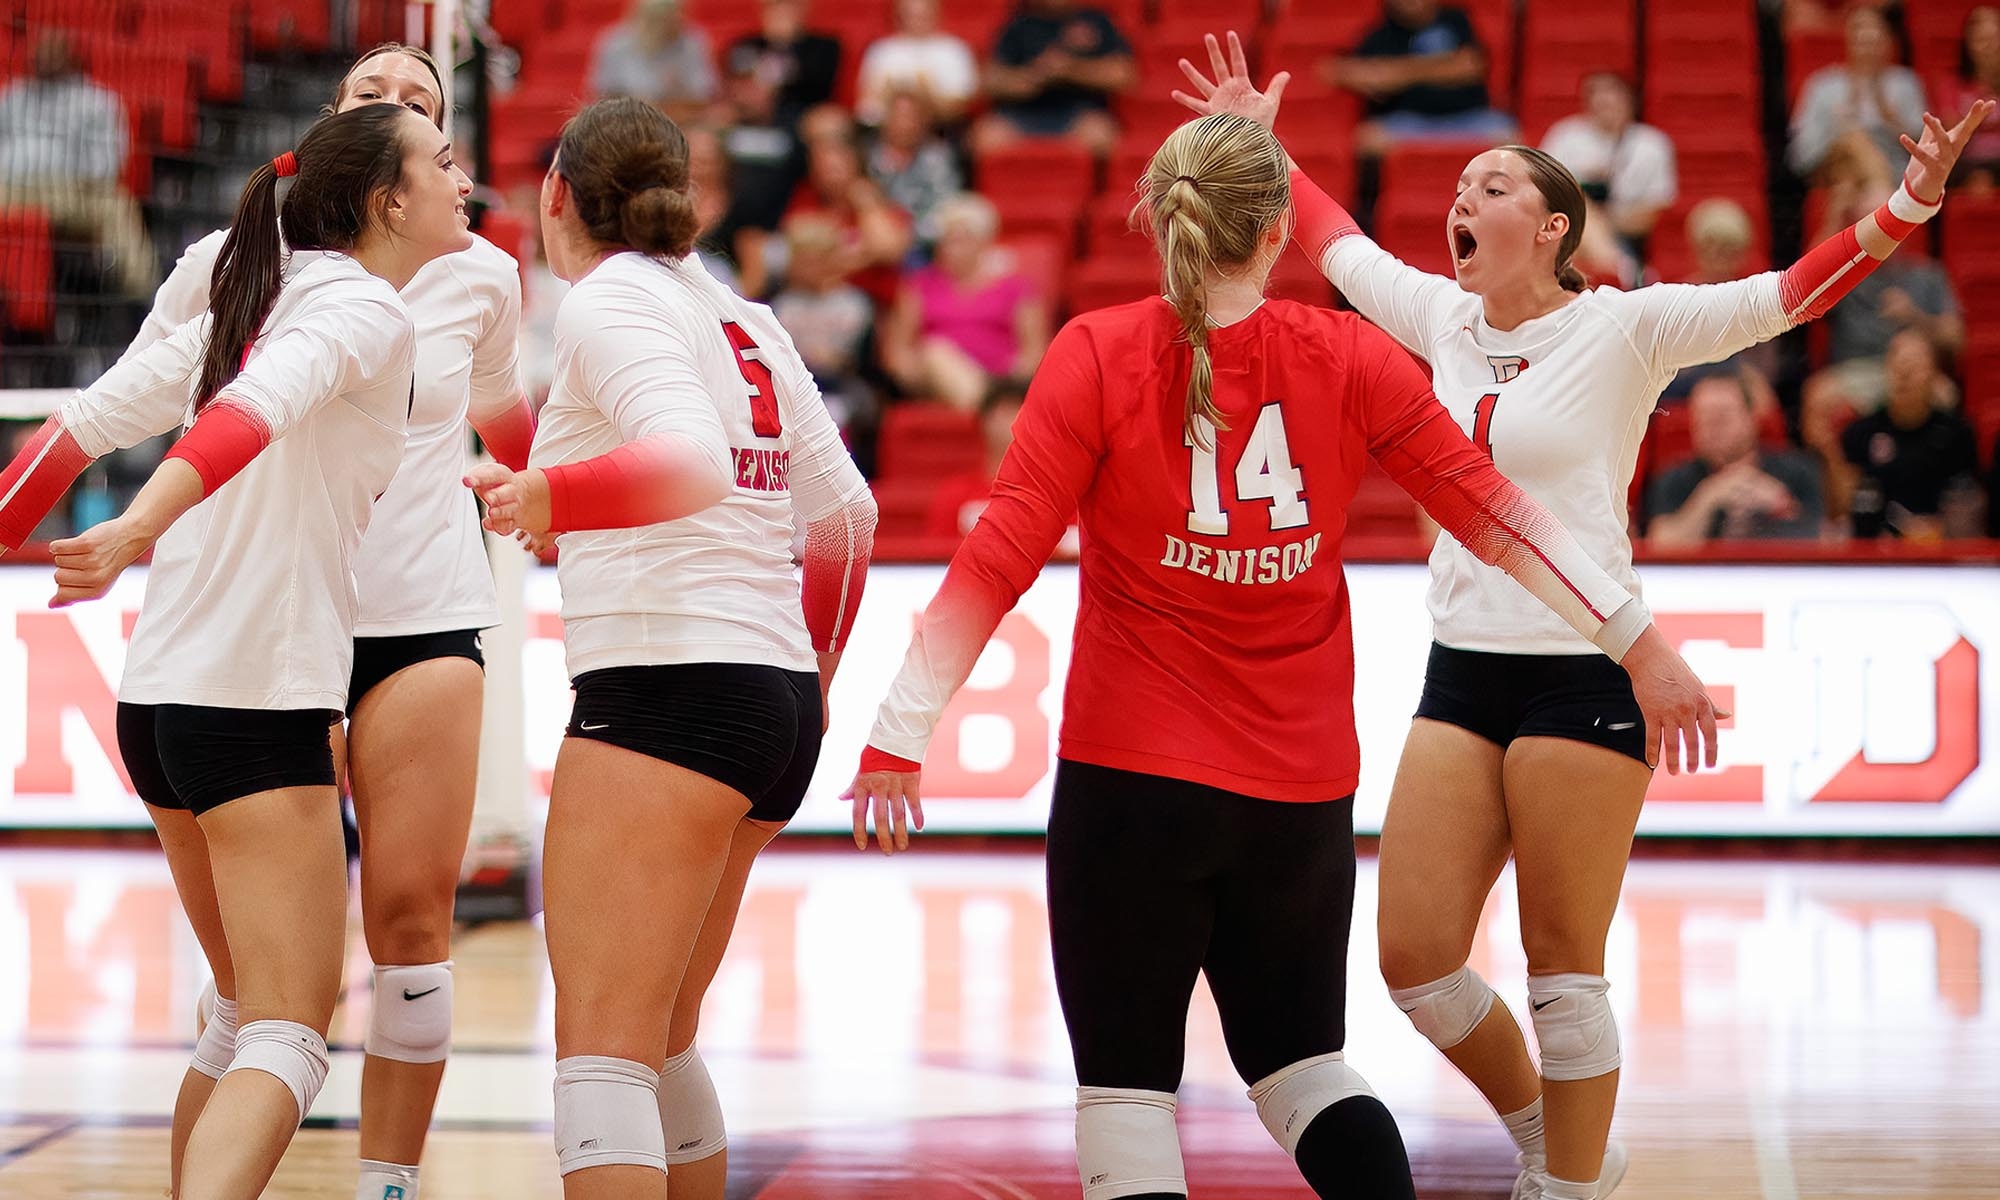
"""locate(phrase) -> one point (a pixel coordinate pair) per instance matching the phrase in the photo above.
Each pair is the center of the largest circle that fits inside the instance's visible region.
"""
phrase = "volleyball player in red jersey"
(1203, 808)
(1523, 742)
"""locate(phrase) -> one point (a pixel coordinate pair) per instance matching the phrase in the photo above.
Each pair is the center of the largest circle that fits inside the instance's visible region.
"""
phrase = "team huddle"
(319, 582)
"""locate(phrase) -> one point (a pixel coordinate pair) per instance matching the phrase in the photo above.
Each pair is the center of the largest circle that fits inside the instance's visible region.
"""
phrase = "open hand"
(1932, 159)
(1677, 708)
(892, 797)
(1232, 91)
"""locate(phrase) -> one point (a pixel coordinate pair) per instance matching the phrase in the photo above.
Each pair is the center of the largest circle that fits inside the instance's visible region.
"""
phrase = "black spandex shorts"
(1155, 880)
(193, 758)
(1500, 697)
(377, 658)
(752, 728)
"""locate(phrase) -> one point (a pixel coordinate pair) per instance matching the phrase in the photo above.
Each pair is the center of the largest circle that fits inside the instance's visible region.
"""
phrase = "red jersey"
(1212, 639)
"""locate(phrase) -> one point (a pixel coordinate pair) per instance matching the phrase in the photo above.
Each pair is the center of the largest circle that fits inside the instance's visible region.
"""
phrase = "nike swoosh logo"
(1622, 725)
(594, 728)
(410, 995)
(1544, 1004)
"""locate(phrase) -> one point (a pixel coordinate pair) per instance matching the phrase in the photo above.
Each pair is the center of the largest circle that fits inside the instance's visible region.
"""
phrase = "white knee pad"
(217, 1044)
(288, 1050)
(1573, 1023)
(1446, 1010)
(607, 1114)
(690, 1113)
(1287, 1100)
(1126, 1144)
(410, 1018)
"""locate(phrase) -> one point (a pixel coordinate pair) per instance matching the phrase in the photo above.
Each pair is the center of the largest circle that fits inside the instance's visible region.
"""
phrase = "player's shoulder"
(1152, 317)
(486, 268)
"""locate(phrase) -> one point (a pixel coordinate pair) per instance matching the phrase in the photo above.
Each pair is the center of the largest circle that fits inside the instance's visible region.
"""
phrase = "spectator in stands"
(1850, 116)
(968, 318)
(921, 57)
(1053, 72)
(765, 161)
(914, 166)
(657, 57)
(1898, 467)
(875, 234)
(828, 317)
(1908, 291)
(1731, 487)
(1422, 72)
(1626, 168)
(803, 66)
(1720, 237)
(1978, 79)
(62, 146)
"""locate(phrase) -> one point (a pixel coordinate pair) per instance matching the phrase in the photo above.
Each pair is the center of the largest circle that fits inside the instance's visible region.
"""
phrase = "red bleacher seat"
(1972, 228)
(1051, 216)
(1936, 28)
(1428, 170)
(1807, 51)
(1145, 119)
(1108, 230)
(1244, 16)
(298, 24)
(27, 267)
(927, 442)
(903, 507)
(1051, 168)
(1380, 508)
(1412, 228)
(1102, 282)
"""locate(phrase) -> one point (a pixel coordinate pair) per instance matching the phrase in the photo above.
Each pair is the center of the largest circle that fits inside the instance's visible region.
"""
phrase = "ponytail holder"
(286, 165)
(1187, 179)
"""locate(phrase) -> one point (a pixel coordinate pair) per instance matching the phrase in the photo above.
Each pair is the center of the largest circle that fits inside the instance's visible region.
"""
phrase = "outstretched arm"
(1408, 303)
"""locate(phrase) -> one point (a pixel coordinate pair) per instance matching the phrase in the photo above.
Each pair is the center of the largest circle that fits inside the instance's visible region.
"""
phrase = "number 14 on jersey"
(1264, 472)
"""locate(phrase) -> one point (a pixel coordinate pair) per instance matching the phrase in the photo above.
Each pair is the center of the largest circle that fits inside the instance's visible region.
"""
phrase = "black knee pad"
(1353, 1150)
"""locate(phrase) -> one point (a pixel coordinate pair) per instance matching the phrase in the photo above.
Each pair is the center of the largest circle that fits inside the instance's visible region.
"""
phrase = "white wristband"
(1904, 205)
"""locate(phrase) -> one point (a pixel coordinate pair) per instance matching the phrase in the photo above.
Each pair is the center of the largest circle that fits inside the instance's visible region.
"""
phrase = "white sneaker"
(1528, 1185)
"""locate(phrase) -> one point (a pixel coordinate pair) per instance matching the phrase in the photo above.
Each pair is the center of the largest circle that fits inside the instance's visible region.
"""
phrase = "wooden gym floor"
(889, 1029)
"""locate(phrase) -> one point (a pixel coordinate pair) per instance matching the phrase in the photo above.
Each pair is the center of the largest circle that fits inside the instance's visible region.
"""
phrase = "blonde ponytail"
(1213, 190)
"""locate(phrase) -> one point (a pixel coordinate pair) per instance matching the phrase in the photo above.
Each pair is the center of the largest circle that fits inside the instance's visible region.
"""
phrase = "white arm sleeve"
(1409, 305)
(143, 396)
(1675, 325)
(643, 369)
(332, 344)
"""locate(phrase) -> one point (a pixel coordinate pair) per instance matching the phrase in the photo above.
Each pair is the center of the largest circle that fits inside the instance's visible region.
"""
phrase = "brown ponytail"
(348, 164)
(1561, 193)
(1210, 194)
(627, 167)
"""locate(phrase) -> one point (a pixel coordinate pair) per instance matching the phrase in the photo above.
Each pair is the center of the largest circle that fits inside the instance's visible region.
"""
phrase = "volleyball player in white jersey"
(681, 440)
(415, 697)
(1525, 741)
(302, 377)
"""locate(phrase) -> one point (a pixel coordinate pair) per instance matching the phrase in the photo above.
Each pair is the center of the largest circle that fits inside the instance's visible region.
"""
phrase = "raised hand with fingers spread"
(1231, 91)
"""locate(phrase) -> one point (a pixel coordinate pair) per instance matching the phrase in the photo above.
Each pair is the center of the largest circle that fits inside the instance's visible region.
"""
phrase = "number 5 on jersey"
(757, 373)
(1265, 472)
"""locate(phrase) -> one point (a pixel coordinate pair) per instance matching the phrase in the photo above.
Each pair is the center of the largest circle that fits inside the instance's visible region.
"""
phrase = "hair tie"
(286, 165)
(1187, 179)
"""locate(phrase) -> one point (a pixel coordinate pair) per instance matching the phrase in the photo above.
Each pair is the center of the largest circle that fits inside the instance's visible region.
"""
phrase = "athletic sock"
(1525, 1127)
(386, 1181)
(1353, 1148)
(1564, 1189)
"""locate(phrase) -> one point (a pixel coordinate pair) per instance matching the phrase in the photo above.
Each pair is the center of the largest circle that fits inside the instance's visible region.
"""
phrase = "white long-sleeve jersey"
(423, 567)
(644, 349)
(251, 599)
(1560, 402)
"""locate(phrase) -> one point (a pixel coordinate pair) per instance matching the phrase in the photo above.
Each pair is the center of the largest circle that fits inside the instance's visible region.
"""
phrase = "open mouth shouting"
(1463, 244)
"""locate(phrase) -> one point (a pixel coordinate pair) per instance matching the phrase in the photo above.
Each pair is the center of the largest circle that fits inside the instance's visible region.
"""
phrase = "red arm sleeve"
(1321, 221)
(659, 478)
(1058, 441)
(509, 435)
(221, 442)
(838, 547)
(36, 479)
(1425, 451)
(1810, 287)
